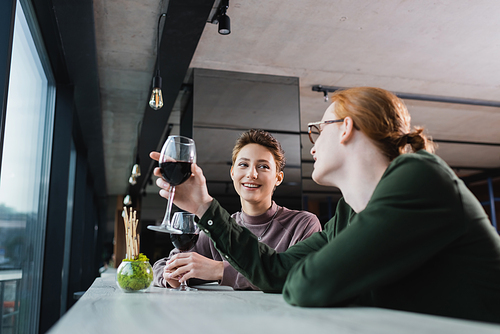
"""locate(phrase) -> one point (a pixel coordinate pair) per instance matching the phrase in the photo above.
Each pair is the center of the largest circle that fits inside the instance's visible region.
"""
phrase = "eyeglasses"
(314, 129)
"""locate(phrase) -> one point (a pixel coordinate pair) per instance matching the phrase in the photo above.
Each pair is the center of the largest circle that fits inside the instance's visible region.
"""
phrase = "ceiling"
(446, 49)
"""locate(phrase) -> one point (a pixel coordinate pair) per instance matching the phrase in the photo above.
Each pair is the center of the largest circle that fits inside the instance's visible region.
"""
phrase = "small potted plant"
(135, 273)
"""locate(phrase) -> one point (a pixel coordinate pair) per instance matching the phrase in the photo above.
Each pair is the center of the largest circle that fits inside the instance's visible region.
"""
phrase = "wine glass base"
(164, 229)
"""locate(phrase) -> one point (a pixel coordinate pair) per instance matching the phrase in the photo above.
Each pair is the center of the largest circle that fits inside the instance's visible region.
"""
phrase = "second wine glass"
(184, 222)
(176, 157)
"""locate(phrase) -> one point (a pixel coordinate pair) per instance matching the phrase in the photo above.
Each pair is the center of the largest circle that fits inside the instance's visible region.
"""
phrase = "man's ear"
(348, 130)
(231, 173)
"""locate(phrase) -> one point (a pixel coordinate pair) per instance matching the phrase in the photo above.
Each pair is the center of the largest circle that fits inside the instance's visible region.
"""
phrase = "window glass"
(24, 178)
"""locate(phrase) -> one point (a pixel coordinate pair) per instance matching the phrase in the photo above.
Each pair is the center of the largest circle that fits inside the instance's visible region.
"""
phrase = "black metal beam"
(464, 142)
(421, 97)
(75, 20)
(493, 173)
(187, 119)
(49, 29)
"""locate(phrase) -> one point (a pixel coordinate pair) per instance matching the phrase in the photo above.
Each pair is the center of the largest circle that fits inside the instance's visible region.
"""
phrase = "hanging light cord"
(158, 45)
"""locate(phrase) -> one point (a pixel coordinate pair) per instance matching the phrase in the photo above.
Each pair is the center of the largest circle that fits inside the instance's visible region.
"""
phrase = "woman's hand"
(172, 281)
(191, 195)
(183, 266)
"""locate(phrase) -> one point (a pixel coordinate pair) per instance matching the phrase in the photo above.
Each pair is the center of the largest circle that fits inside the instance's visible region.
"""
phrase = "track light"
(222, 19)
(224, 25)
(325, 90)
(156, 100)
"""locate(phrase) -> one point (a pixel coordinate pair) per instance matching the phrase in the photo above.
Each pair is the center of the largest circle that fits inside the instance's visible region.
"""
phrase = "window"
(24, 176)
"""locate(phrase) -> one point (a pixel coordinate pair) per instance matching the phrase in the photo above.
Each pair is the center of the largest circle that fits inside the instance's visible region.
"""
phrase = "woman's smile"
(251, 185)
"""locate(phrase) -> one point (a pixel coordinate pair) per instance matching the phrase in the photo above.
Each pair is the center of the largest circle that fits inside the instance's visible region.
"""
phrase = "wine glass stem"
(166, 219)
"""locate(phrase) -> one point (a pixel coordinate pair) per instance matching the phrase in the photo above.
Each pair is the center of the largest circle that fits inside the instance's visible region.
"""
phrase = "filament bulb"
(136, 170)
(127, 200)
(156, 100)
(132, 180)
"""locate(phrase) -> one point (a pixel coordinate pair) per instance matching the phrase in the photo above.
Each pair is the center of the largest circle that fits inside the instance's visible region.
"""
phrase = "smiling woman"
(258, 162)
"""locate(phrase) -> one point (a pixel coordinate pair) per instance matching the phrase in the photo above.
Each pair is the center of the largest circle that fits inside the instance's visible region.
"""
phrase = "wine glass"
(176, 157)
(184, 241)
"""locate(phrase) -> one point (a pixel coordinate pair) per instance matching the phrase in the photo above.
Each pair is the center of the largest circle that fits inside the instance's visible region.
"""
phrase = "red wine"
(184, 242)
(175, 172)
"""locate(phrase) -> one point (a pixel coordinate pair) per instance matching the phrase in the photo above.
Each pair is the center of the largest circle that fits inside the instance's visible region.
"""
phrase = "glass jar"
(134, 276)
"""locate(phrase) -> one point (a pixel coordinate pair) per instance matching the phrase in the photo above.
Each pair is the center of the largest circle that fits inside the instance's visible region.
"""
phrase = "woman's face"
(326, 153)
(254, 174)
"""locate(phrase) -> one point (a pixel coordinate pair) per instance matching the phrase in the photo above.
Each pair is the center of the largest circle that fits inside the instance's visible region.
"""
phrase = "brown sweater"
(287, 228)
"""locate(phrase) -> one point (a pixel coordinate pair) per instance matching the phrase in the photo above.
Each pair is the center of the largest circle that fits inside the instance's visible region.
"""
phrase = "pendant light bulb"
(127, 201)
(136, 170)
(156, 100)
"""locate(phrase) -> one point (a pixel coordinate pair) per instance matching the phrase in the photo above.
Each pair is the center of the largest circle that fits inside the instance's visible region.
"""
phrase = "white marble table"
(106, 309)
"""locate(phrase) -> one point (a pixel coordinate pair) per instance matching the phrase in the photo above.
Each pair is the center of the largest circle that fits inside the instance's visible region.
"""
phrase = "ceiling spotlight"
(224, 25)
(325, 96)
(223, 19)
(156, 100)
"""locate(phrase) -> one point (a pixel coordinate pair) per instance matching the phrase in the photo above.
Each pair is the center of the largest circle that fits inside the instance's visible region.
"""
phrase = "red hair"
(383, 117)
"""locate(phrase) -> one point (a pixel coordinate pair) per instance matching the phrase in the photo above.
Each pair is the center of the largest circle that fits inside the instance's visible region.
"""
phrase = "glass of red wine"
(184, 222)
(176, 157)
